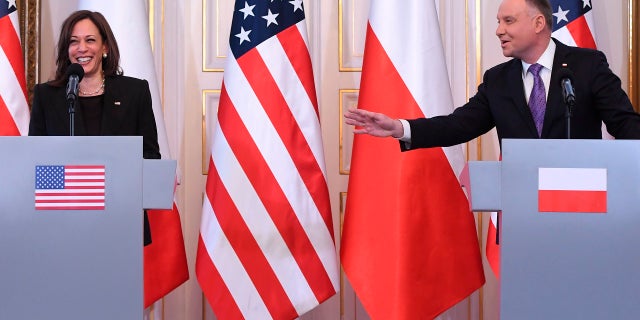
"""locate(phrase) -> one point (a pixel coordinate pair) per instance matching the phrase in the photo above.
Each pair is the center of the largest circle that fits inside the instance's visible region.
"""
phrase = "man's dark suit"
(127, 111)
(500, 102)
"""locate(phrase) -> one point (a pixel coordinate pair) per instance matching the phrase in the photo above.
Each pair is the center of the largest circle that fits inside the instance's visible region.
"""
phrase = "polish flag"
(572, 190)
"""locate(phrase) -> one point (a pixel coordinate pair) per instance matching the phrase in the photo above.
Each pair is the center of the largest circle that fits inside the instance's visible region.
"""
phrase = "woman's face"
(86, 47)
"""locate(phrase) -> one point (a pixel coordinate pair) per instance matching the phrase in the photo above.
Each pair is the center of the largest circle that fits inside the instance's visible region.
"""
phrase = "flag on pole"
(572, 25)
(266, 247)
(165, 260)
(14, 109)
(409, 242)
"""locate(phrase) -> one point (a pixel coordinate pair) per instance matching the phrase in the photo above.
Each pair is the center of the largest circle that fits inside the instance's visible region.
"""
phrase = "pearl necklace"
(100, 88)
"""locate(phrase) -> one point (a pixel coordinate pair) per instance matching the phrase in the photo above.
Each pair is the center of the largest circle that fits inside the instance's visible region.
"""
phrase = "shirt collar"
(546, 59)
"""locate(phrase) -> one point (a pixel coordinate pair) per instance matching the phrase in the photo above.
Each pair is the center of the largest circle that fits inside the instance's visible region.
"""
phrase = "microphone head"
(75, 69)
(565, 73)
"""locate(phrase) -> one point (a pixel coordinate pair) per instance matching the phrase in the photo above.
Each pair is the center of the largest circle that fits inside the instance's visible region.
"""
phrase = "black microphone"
(74, 73)
(566, 80)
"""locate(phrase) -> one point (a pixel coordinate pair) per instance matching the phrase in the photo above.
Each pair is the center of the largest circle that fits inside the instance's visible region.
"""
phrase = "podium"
(66, 255)
(565, 254)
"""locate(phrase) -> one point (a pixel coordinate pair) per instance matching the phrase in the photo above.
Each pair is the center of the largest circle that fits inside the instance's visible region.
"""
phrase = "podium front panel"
(70, 263)
(570, 265)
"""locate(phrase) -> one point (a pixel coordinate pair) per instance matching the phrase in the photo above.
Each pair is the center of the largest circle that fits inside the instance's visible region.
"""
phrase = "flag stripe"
(269, 190)
(572, 201)
(580, 179)
(246, 247)
(581, 33)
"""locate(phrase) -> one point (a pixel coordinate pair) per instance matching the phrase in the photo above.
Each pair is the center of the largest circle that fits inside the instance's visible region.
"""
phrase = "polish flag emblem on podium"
(572, 190)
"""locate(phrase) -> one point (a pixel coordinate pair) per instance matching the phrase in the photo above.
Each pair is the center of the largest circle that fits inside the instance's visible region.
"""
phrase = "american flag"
(573, 23)
(14, 110)
(266, 247)
(71, 187)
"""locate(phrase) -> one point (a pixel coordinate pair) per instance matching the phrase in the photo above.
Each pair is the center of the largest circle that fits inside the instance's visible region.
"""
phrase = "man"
(513, 95)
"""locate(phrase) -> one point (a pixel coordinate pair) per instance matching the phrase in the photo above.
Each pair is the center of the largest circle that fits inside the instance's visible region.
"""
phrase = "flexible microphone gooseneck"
(74, 73)
(568, 94)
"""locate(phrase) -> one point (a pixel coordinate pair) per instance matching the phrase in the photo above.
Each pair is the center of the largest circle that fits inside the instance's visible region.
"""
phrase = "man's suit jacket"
(127, 111)
(500, 102)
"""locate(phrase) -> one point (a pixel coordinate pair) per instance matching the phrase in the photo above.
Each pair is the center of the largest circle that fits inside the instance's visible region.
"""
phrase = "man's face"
(516, 28)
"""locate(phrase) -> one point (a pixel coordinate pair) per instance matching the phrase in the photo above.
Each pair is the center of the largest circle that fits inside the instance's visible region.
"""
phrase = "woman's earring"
(104, 55)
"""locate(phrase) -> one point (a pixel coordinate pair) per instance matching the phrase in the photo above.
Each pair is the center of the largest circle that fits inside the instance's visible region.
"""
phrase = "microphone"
(566, 79)
(74, 73)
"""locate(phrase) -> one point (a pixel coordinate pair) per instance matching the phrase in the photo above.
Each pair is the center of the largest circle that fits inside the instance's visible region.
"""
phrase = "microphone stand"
(570, 103)
(72, 116)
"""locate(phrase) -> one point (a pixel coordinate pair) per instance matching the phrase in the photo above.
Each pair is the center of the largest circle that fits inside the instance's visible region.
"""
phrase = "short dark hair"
(545, 9)
(110, 64)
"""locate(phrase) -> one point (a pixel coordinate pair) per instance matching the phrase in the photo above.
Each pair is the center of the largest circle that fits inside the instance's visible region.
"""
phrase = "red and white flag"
(572, 190)
(572, 25)
(165, 259)
(266, 247)
(14, 109)
(409, 242)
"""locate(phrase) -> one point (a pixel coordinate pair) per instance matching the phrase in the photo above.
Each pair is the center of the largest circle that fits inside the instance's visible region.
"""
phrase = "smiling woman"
(29, 35)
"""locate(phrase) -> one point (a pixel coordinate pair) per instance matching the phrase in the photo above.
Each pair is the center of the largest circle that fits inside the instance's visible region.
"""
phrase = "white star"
(247, 10)
(586, 3)
(297, 4)
(271, 18)
(12, 3)
(243, 35)
(561, 15)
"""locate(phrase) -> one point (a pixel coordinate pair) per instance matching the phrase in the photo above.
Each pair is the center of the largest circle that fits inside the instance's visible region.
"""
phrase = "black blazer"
(127, 111)
(500, 102)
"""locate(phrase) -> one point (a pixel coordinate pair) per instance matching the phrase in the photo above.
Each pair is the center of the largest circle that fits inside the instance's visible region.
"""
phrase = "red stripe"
(71, 208)
(7, 124)
(269, 190)
(214, 287)
(10, 43)
(44, 194)
(296, 50)
(246, 248)
(572, 201)
(581, 33)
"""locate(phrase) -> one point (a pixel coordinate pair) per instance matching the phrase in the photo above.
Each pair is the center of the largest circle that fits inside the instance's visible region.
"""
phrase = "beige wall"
(189, 87)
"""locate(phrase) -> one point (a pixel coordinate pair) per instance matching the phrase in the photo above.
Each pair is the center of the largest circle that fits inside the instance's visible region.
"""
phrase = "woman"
(109, 104)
